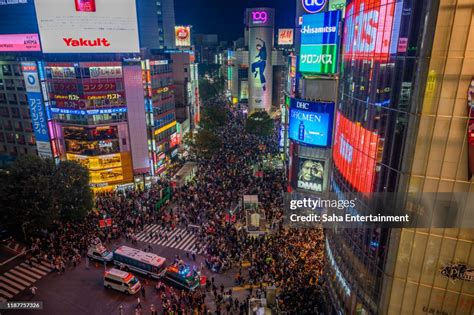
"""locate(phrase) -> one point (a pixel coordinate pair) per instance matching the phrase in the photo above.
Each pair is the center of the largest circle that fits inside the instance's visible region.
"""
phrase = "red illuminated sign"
(368, 29)
(355, 153)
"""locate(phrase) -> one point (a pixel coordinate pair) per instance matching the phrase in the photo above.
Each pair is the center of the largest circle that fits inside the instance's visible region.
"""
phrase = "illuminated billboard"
(319, 42)
(182, 36)
(310, 175)
(88, 26)
(20, 42)
(260, 78)
(39, 119)
(368, 29)
(285, 36)
(355, 153)
(311, 122)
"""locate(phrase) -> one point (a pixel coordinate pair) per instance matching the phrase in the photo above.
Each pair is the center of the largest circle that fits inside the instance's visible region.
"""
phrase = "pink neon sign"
(20, 42)
(259, 17)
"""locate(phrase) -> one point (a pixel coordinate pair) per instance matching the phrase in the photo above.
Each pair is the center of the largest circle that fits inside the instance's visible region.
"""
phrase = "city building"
(156, 23)
(186, 81)
(163, 137)
(402, 126)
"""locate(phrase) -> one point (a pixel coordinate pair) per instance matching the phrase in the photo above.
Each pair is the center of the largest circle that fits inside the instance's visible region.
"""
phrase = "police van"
(121, 281)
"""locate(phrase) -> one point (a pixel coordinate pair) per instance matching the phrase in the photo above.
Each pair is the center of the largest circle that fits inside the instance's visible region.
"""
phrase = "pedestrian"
(153, 310)
(120, 309)
(150, 249)
(33, 290)
(139, 303)
(143, 291)
(87, 262)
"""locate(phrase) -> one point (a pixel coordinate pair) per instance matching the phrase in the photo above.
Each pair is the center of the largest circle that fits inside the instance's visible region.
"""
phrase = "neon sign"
(259, 17)
(368, 29)
(313, 6)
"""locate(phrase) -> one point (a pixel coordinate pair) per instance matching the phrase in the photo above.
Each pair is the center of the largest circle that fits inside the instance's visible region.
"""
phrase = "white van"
(100, 253)
(121, 281)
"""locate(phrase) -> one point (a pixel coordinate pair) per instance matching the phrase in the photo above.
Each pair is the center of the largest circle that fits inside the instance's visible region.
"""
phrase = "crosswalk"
(15, 246)
(177, 238)
(21, 277)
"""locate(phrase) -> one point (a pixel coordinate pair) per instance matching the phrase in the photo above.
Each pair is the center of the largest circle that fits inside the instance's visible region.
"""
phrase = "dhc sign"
(313, 6)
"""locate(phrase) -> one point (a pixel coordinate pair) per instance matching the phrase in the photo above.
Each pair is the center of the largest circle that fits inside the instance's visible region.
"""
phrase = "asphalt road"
(80, 290)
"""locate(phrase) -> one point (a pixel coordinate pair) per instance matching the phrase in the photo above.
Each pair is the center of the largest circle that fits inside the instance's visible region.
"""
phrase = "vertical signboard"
(319, 43)
(261, 22)
(37, 112)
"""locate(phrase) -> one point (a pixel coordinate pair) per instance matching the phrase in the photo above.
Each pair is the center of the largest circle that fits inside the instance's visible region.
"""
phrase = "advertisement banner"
(311, 122)
(37, 112)
(20, 42)
(368, 29)
(88, 26)
(285, 36)
(337, 5)
(244, 90)
(320, 42)
(355, 153)
(182, 36)
(260, 58)
(311, 175)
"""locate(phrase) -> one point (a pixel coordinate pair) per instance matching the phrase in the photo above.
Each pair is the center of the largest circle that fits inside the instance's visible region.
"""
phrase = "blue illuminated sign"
(313, 6)
(89, 111)
(320, 42)
(311, 122)
(38, 116)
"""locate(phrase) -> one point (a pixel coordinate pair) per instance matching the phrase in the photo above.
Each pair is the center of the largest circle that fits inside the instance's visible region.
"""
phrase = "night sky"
(225, 18)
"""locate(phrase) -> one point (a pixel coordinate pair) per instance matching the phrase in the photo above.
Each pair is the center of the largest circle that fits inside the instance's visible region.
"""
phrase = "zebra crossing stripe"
(34, 270)
(32, 274)
(41, 267)
(9, 289)
(17, 279)
(18, 286)
(170, 237)
(6, 294)
(182, 244)
(22, 276)
(2, 299)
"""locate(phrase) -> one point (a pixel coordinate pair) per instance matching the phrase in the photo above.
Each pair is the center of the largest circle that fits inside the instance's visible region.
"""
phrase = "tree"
(210, 88)
(213, 117)
(36, 192)
(73, 196)
(260, 124)
(206, 143)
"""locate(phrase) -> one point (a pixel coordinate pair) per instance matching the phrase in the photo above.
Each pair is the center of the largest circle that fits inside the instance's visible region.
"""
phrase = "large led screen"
(88, 26)
(311, 174)
(368, 29)
(319, 42)
(311, 122)
(355, 153)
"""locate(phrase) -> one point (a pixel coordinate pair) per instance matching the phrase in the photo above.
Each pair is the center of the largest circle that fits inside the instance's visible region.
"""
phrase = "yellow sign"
(166, 127)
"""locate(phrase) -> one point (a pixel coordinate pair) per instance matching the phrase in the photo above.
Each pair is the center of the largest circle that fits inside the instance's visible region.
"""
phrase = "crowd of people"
(289, 259)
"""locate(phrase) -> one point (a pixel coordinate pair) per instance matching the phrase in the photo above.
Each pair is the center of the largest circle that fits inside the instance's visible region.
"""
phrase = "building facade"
(402, 115)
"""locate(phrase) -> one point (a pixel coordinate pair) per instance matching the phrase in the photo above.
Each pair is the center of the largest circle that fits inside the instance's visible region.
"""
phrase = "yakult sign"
(106, 26)
(368, 29)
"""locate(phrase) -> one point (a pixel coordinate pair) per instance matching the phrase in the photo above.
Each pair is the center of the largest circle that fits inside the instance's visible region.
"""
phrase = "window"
(4, 112)
(15, 112)
(6, 69)
(124, 141)
(185, 69)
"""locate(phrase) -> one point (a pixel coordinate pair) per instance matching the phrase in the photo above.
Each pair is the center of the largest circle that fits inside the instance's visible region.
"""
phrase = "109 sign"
(313, 6)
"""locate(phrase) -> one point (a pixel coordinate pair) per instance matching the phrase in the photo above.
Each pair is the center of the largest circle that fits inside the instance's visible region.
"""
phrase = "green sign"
(337, 5)
(318, 58)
